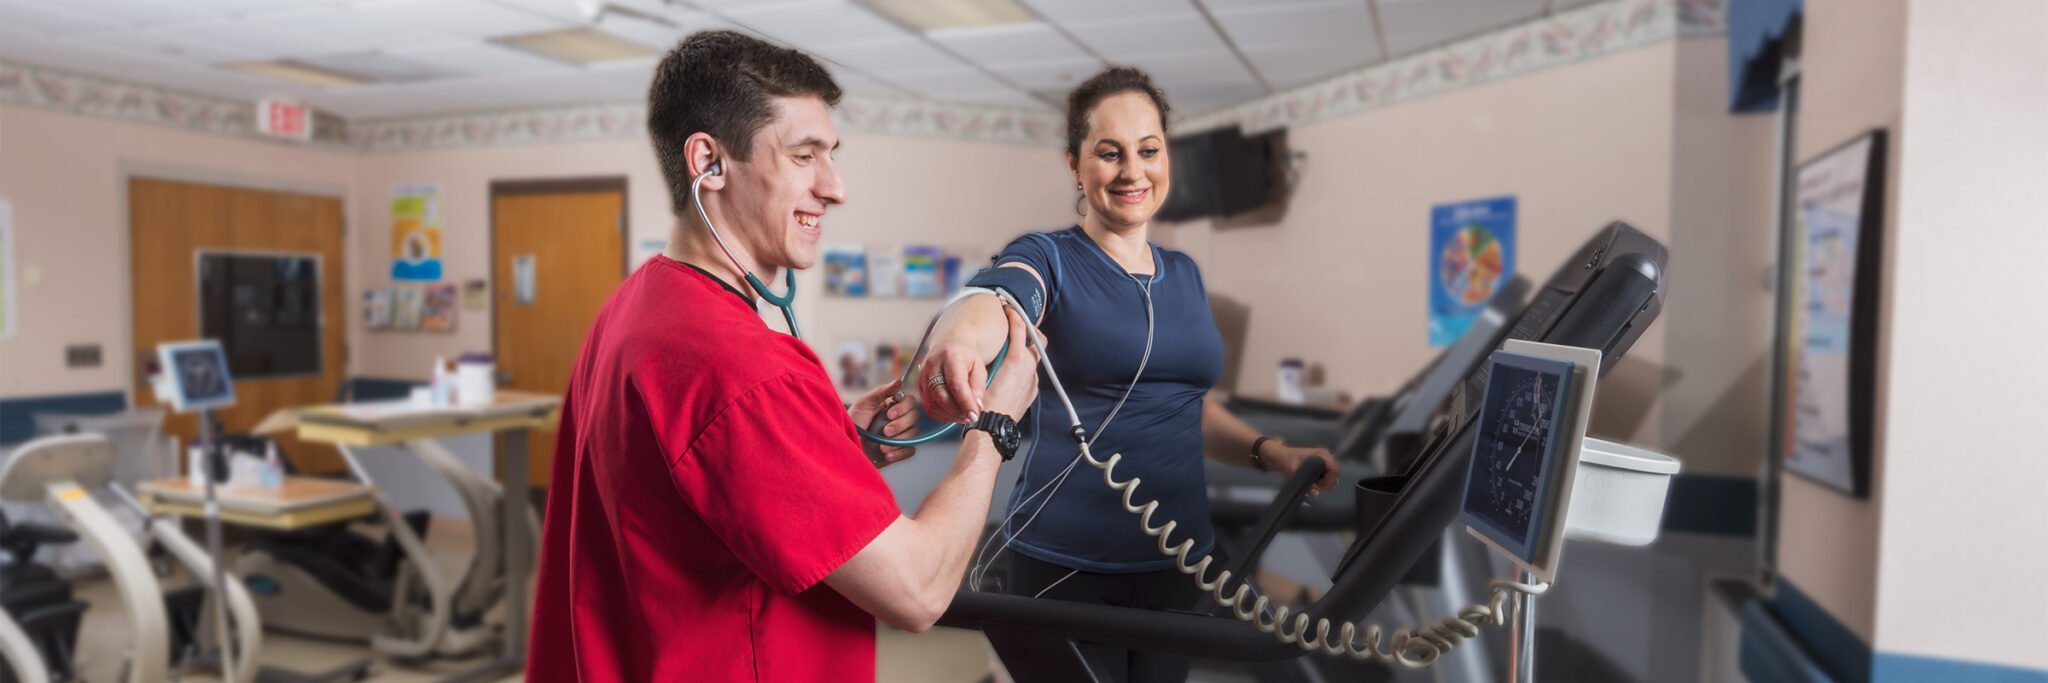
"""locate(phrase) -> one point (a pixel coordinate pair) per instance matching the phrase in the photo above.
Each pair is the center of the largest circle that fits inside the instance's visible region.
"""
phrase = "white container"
(1618, 494)
(476, 384)
(1288, 388)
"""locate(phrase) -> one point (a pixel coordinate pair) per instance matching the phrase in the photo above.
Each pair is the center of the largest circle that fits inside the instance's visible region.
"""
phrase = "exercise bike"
(335, 584)
(40, 623)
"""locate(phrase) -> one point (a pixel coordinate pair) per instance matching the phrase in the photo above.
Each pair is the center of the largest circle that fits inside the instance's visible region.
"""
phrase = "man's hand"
(902, 416)
(1287, 459)
(1016, 382)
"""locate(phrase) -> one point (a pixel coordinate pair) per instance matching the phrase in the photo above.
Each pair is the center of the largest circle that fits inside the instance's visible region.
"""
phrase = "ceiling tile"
(855, 81)
(1289, 67)
(138, 12)
(659, 36)
(1006, 98)
(809, 25)
(350, 27)
(479, 58)
(1202, 99)
(165, 46)
(465, 18)
(1033, 42)
(941, 83)
(562, 10)
(1059, 75)
(1195, 67)
(382, 67)
(66, 55)
(247, 7)
(1293, 24)
(885, 58)
(1413, 25)
(1127, 40)
(50, 21)
(262, 42)
(1069, 12)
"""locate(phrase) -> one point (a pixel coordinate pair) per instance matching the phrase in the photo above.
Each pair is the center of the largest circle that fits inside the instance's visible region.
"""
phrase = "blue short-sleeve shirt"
(1096, 324)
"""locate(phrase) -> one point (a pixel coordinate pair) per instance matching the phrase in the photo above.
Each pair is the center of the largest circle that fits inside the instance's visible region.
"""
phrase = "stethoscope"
(787, 302)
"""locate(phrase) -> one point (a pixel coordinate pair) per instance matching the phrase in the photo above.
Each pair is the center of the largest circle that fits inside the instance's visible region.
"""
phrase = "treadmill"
(1382, 431)
(1602, 298)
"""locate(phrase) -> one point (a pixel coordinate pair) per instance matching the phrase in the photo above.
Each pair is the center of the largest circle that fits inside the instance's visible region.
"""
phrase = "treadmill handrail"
(1194, 635)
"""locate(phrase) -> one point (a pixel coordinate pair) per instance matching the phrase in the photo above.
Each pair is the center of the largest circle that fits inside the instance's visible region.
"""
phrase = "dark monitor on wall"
(264, 309)
(1219, 173)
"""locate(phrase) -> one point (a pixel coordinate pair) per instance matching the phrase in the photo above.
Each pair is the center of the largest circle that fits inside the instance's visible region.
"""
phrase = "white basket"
(1618, 494)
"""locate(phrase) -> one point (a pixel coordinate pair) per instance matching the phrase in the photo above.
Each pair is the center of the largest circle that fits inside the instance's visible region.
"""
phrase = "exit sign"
(284, 119)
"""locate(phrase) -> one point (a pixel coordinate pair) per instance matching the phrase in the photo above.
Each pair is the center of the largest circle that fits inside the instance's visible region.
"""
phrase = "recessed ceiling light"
(378, 67)
(298, 72)
(581, 46)
(932, 15)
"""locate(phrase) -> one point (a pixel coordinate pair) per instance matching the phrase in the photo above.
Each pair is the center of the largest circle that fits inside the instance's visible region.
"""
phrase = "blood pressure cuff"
(1020, 284)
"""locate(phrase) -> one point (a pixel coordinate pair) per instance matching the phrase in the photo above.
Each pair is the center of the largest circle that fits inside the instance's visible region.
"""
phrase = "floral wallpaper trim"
(44, 88)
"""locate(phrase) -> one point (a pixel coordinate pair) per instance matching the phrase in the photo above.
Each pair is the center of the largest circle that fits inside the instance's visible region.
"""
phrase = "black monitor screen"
(265, 310)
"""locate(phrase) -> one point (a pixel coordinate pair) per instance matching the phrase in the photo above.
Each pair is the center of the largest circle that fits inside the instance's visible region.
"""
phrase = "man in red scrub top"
(712, 516)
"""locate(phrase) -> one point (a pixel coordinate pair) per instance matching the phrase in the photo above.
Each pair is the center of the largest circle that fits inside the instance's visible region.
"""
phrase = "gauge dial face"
(1514, 450)
(200, 374)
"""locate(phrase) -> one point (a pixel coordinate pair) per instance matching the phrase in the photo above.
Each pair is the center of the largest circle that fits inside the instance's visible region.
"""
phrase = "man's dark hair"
(1114, 80)
(721, 83)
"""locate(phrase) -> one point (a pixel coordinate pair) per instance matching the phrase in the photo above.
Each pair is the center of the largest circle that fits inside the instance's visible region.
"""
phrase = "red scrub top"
(706, 479)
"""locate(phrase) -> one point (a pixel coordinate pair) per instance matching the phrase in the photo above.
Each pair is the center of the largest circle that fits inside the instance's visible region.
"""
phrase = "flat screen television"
(1219, 172)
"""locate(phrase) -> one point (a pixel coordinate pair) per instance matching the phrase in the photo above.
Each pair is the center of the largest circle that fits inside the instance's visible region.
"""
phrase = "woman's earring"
(1077, 201)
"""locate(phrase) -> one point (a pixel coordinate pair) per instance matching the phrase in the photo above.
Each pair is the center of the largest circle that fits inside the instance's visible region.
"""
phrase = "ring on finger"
(938, 379)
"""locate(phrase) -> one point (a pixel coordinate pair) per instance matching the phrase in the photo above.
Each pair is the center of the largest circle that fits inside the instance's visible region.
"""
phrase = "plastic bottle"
(444, 385)
(273, 468)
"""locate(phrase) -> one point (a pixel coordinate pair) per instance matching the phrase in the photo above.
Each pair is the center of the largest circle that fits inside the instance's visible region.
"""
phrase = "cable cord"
(1412, 647)
(1059, 481)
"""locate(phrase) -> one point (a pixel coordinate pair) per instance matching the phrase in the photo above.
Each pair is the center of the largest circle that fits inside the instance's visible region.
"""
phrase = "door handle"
(504, 378)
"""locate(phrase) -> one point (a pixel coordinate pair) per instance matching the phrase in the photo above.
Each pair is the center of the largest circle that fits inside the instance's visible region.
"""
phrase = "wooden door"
(570, 238)
(170, 223)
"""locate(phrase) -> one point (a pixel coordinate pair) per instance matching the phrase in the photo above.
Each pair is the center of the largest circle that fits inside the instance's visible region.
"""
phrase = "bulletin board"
(1828, 394)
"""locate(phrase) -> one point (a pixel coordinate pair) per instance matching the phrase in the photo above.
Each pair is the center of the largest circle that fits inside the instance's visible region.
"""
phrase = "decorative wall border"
(1556, 40)
(1560, 39)
(581, 123)
(74, 93)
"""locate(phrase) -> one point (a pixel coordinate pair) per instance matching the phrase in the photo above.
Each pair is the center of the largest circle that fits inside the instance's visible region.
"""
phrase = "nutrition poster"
(1471, 253)
(416, 232)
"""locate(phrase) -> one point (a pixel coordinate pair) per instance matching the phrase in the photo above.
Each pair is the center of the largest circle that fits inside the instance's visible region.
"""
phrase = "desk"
(387, 423)
(300, 503)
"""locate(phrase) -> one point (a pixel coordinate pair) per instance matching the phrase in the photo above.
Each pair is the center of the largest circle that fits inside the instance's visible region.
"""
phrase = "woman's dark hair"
(721, 83)
(1114, 80)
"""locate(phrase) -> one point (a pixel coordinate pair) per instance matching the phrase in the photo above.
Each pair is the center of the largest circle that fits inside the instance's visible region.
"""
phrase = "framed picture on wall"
(1828, 393)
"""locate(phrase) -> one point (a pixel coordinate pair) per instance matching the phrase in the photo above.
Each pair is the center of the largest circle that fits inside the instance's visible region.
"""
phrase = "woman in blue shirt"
(1128, 327)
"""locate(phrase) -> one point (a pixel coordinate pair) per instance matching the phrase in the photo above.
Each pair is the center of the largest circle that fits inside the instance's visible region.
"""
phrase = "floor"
(936, 656)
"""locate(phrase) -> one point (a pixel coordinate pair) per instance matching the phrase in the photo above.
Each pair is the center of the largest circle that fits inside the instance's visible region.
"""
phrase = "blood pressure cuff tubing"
(1021, 285)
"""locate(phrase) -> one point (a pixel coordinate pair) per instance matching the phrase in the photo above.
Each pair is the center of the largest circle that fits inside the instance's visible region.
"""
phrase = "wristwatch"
(1002, 430)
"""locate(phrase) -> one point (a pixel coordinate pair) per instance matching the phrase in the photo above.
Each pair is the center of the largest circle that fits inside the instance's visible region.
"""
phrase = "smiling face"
(1122, 168)
(774, 203)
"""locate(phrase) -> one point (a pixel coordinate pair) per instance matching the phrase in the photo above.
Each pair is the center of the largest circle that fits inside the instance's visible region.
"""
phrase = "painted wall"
(1340, 277)
(971, 196)
(1962, 541)
(65, 176)
(1717, 318)
(1852, 70)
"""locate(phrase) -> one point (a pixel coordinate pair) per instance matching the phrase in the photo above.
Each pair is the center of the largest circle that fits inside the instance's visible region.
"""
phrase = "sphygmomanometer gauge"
(1516, 451)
